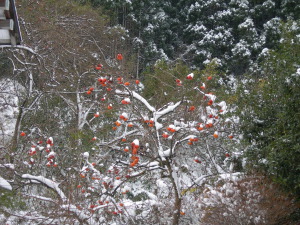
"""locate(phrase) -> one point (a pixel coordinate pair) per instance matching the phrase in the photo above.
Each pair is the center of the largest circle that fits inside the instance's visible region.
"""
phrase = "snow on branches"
(160, 138)
(135, 148)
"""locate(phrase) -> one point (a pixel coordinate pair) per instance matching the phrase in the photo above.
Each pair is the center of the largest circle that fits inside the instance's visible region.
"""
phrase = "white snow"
(79, 213)
(171, 107)
(85, 155)
(136, 142)
(4, 184)
(47, 182)
(8, 108)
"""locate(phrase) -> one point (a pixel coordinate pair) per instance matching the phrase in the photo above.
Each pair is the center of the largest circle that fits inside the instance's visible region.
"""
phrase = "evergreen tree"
(271, 117)
(233, 31)
(197, 31)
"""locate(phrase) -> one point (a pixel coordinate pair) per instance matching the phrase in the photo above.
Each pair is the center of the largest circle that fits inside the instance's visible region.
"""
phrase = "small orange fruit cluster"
(91, 89)
(192, 140)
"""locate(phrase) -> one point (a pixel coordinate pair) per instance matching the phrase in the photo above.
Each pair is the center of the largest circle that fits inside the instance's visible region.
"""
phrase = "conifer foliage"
(234, 31)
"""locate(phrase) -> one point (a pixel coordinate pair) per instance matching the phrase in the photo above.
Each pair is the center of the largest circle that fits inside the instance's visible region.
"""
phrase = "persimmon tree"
(92, 149)
(147, 161)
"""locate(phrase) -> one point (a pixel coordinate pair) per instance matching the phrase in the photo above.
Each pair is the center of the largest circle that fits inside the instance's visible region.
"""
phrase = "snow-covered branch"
(80, 214)
(19, 47)
(167, 110)
(49, 183)
(4, 184)
(119, 138)
(138, 97)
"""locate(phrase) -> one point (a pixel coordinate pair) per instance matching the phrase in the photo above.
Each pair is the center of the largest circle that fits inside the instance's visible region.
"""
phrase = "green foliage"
(161, 86)
(160, 82)
(140, 197)
(9, 199)
(235, 31)
(271, 112)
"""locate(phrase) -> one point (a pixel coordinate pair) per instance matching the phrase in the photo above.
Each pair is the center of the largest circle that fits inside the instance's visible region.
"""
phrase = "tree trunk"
(14, 142)
(177, 203)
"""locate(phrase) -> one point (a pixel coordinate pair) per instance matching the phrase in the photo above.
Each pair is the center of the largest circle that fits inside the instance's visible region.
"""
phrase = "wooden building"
(9, 25)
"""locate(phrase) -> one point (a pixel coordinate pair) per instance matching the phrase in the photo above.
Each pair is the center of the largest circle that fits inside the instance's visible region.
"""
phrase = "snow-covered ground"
(8, 109)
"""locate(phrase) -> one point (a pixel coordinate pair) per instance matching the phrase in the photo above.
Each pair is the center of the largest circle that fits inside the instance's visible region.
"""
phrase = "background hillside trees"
(271, 121)
(236, 32)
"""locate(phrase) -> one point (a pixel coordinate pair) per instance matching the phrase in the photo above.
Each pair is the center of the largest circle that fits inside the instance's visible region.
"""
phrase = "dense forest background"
(177, 62)
(236, 33)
